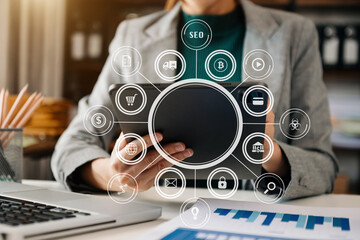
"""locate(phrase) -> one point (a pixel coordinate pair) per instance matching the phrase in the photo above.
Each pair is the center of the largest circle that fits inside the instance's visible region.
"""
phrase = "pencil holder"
(11, 154)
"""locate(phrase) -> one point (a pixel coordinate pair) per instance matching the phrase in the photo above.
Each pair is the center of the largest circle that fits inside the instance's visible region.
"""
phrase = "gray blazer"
(296, 82)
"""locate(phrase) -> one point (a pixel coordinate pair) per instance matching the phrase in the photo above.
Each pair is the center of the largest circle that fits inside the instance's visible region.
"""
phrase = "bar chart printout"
(235, 220)
(194, 234)
(307, 222)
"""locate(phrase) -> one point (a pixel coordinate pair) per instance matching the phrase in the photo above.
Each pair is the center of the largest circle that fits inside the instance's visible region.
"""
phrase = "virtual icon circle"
(136, 144)
(126, 61)
(98, 120)
(254, 100)
(222, 182)
(170, 65)
(220, 65)
(122, 194)
(131, 99)
(196, 34)
(254, 147)
(172, 186)
(295, 123)
(269, 188)
(258, 64)
(221, 94)
(195, 213)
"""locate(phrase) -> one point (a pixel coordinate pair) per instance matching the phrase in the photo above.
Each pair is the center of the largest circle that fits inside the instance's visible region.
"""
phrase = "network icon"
(247, 148)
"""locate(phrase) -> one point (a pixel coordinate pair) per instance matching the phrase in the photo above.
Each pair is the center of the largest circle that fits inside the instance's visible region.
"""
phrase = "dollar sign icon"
(220, 65)
(98, 120)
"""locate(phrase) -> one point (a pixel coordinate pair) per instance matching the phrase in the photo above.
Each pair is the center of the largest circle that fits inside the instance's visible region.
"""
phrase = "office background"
(60, 46)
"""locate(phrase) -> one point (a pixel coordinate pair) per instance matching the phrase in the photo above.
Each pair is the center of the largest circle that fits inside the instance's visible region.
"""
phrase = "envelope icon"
(170, 182)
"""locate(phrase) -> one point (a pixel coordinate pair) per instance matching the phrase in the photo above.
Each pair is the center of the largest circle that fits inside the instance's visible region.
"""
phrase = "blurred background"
(60, 46)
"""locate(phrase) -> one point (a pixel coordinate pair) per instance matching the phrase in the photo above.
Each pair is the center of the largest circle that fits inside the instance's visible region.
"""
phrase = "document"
(235, 220)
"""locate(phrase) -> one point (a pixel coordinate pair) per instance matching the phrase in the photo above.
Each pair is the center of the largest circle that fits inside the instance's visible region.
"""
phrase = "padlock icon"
(222, 184)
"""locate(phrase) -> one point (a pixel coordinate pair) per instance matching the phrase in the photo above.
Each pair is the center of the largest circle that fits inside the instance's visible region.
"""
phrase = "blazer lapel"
(262, 33)
(164, 37)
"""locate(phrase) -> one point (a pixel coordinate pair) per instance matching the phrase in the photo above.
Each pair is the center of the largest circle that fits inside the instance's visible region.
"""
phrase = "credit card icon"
(258, 101)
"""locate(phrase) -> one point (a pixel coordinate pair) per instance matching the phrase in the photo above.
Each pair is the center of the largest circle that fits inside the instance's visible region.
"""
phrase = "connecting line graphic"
(147, 166)
(244, 165)
(129, 122)
(194, 182)
(149, 82)
(261, 123)
(240, 84)
(196, 55)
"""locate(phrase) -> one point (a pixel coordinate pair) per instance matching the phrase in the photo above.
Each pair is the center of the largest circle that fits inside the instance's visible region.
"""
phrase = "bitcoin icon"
(98, 120)
(220, 65)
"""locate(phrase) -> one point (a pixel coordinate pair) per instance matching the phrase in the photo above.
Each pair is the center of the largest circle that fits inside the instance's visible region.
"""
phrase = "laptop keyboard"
(17, 212)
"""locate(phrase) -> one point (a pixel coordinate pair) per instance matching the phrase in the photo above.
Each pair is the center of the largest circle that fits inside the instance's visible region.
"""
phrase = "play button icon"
(258, 64)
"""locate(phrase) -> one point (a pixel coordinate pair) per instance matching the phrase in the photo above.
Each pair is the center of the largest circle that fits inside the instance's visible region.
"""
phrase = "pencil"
(31, 111)
(23, 110)
(6, 104)
(2, 98)
(24, 118)
(15, 107)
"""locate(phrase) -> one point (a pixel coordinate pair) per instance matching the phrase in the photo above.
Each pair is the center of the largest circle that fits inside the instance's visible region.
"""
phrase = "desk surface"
(171, 208)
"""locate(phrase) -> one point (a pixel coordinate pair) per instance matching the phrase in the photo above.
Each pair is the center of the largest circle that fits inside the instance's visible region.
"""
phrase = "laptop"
(28, 212)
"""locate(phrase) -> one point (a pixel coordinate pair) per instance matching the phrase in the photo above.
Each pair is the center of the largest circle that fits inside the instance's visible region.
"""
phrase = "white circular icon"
(295, 123)
(258, 64)
(172, 189)
(196, 34)
(220, 65)
(98, 120)
(222, 183)
(195, 82)
(137, 145)
(126, 61)
(167, 65)
(258, 101)
(254, 147)
(123, 193)
(195, 213)
(269, 188)
(130, 99)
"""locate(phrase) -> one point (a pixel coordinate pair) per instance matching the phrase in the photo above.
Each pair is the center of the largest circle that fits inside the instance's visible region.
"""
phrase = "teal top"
(228, 33)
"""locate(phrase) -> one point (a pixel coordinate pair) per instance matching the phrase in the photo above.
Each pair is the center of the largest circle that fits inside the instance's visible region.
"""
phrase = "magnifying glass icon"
(270, 187)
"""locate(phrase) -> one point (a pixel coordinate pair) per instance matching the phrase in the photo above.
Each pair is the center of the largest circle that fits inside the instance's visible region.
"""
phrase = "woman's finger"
(146, 179)
(153, 157)
(135, 147)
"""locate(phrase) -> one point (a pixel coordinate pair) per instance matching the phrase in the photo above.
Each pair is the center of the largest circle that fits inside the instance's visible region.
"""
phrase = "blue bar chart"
(307, 222)
(193, 234)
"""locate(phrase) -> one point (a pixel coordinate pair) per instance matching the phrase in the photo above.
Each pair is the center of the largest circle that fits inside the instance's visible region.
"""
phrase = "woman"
(80, 160)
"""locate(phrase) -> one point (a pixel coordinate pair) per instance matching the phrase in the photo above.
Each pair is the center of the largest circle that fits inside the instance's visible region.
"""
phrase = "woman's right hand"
(98, 172)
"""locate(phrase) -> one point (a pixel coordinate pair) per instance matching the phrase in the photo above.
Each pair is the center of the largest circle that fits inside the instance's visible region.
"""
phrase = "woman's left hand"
(278, 163)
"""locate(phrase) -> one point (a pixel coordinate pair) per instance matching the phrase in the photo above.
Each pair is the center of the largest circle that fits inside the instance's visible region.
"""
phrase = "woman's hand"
(277, 164)
(98, 172)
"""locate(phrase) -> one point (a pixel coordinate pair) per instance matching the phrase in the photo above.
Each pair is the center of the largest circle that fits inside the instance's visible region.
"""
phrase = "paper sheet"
(233, 220)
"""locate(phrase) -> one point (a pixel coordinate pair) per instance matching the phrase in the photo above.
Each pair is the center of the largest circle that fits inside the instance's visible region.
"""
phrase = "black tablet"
(212, 118)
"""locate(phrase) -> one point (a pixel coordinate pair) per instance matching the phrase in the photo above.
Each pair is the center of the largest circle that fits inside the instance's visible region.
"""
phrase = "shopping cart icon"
(130, 99)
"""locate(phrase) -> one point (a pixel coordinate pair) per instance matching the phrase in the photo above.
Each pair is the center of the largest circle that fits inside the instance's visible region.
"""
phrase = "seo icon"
(196, 34)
